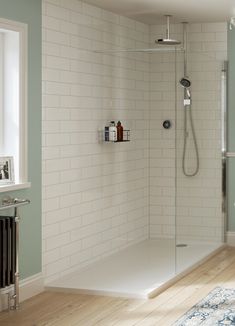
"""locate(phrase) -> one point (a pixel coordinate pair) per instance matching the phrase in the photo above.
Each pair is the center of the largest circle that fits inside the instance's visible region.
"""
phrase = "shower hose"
(188, 112)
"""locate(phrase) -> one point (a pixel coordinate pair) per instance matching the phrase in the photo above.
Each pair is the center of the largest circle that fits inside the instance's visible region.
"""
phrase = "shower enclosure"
(185, 182)
(184, 171)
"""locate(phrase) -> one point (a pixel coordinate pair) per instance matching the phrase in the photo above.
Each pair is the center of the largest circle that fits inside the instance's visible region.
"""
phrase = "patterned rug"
(216, 309)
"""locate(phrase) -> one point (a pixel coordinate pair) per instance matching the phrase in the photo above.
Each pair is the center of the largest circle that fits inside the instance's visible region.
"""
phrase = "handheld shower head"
(186, 83)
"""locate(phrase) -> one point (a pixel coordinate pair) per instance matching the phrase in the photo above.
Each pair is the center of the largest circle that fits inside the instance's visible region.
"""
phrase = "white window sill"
(15, 186)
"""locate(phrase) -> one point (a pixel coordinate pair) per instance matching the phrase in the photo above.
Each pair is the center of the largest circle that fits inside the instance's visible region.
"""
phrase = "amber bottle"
(119, 131)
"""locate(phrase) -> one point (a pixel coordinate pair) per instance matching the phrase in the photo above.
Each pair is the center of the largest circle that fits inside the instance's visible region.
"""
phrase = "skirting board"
(231, 238)
(29, 287)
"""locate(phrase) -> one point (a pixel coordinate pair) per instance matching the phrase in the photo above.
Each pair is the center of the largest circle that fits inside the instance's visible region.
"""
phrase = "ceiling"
(151, 11)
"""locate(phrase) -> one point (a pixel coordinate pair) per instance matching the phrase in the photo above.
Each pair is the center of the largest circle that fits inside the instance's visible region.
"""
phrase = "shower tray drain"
(181, 245)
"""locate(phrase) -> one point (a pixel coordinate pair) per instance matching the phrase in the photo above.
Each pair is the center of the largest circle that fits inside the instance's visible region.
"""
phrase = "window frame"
(22, 29)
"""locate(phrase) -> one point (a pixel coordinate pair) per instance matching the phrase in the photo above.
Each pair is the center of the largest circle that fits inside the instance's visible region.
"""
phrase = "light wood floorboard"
(69, 309)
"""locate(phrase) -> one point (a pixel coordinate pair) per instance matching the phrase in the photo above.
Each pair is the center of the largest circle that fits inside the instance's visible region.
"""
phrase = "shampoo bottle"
(106, 133)
(112, 131)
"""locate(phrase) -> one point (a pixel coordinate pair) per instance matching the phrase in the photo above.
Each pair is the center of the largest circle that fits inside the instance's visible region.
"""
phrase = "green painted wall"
(29, 12)
(231, 130)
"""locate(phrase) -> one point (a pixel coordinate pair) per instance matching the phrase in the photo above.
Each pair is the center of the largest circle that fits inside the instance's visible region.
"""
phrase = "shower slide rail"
(8, 203)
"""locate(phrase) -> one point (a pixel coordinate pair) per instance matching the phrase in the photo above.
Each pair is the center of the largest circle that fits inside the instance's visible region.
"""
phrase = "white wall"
(95, 195)
(198, 199)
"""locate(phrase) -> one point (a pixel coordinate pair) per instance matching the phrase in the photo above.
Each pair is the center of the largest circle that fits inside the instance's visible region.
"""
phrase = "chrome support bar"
(16, 295)
(9, 202)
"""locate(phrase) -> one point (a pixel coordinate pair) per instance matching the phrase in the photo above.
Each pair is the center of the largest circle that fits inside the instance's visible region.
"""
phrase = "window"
(13, 97)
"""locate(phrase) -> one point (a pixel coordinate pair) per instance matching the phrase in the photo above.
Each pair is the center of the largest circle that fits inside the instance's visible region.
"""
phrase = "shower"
(186, 84)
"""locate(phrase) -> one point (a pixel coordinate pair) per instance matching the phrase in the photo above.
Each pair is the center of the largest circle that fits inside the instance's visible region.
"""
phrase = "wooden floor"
(63, 309)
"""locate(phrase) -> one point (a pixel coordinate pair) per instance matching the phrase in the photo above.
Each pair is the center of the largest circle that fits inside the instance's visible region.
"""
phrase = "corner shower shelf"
(126, 137)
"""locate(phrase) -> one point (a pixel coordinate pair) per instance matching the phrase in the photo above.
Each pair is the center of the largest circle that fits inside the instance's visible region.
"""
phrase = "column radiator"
(7, 251)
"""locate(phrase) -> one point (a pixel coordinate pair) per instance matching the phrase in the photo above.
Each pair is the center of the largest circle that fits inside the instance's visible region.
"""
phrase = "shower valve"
(167, 124)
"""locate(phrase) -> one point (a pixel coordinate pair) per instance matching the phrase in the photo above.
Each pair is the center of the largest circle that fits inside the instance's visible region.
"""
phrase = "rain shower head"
(167, 40)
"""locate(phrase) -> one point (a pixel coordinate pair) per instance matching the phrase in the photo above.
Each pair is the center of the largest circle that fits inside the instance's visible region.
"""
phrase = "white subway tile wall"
(193, 204)
(99, 198)
(95, 195)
